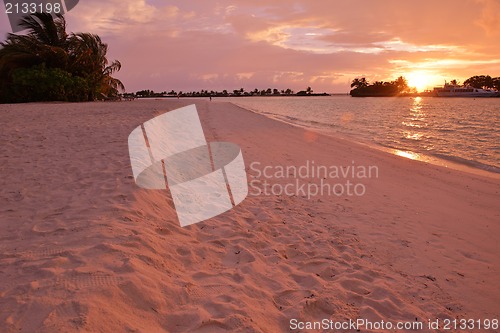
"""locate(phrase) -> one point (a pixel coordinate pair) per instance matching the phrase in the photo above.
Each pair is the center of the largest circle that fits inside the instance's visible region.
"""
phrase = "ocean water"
(461, 130)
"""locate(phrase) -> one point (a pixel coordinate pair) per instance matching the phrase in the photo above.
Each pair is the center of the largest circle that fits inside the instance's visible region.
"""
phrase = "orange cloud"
(166, 44)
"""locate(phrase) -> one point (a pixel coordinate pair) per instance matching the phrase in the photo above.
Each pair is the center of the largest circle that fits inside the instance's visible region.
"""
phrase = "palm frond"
(81, 55)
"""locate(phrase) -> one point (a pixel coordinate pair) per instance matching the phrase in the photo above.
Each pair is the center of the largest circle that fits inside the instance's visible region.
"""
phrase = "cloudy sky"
(215, 45)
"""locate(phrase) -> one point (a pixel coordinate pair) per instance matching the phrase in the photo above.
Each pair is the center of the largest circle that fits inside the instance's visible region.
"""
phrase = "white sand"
(83, 249)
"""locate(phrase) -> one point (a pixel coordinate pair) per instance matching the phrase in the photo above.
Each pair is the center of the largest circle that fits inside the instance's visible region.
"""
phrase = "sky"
(191, 45)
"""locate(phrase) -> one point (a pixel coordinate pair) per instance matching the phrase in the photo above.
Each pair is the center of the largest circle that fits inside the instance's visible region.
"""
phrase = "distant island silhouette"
(224, 93)
(399, 87)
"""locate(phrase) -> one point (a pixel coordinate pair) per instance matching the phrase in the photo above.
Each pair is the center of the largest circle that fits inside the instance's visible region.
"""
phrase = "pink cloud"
(166, 45)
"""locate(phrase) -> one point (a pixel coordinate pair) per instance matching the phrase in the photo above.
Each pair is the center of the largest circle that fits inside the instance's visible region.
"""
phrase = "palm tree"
(401, 84)
(82, 56)
(88, 59)
(109, 85)
(359, 83)
(44, 44)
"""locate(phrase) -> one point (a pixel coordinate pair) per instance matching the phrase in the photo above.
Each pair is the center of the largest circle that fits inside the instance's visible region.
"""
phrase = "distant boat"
(452, 90)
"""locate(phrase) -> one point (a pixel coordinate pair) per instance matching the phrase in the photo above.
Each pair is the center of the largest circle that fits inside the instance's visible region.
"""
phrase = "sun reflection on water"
(408, 154)
(412, 136)
(414, 121)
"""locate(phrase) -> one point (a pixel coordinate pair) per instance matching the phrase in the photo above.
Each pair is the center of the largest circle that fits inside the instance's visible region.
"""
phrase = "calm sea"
(460, 130)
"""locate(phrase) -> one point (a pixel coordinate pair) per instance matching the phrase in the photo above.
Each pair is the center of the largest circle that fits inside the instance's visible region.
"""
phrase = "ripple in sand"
(88, 280)
(209, 291)
(44, 253)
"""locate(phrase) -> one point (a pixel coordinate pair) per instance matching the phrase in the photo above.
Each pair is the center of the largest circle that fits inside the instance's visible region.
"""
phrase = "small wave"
(440, 158)
(437, 141)
(467, 162)
(444, 130)
(304, 123)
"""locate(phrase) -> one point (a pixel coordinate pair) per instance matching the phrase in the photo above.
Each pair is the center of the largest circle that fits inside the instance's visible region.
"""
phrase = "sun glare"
(420, 80)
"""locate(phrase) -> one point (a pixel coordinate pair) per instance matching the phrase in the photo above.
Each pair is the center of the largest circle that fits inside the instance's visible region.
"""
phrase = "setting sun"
(421, 80)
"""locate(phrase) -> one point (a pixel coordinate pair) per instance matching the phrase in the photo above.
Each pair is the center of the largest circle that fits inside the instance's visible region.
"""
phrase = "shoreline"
(403, 153)
(84, 248)
(415, 174)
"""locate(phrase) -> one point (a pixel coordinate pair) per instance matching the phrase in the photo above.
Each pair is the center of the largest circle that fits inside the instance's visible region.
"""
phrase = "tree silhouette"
(30, 63)
(480, 81)
(379, 88)
(359, 83)
(401, 84)
(496, 83)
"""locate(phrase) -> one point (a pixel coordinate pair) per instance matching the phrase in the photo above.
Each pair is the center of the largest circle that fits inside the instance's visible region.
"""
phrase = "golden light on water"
(407, 154)
(414, 121)
(416, 108)
(347, 117)
(412, 136)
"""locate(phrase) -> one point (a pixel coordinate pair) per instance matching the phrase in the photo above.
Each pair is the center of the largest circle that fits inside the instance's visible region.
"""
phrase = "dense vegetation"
(483, 82)
(225, 93)
(362, 88)
(47, 64)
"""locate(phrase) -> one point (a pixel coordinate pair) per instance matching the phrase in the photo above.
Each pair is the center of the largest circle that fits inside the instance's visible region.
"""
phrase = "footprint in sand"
(238, 256)
(14, 196)
(72, 313)
(212, 326)
(183, 251)
(289, 298)
(356, 286)
(48, 227)
(163, 231)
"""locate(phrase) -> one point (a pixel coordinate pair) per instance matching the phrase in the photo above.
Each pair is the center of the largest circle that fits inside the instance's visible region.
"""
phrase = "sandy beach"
(84, 249)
